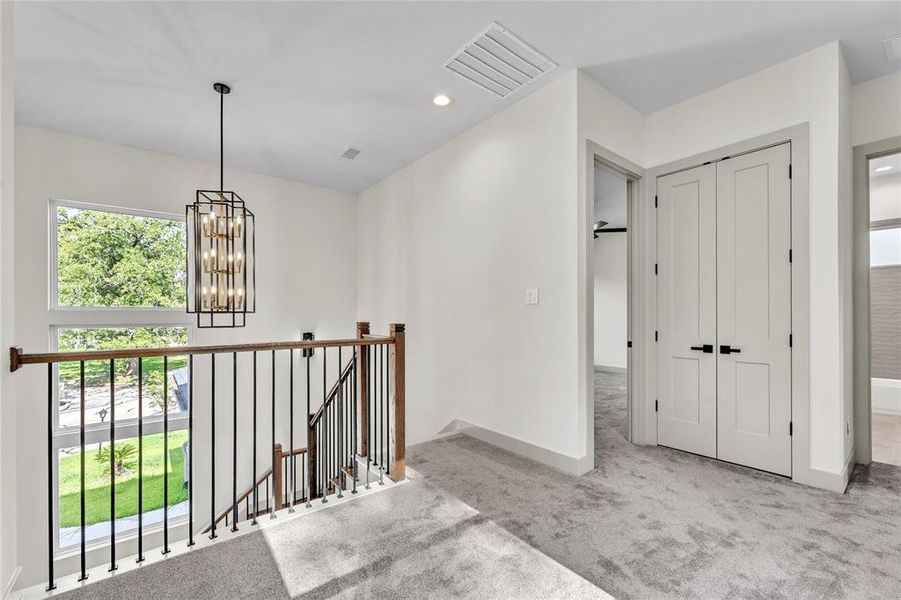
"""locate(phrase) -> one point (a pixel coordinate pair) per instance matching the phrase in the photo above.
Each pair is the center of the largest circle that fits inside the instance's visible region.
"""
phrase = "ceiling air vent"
(350, 153)
(498, 61)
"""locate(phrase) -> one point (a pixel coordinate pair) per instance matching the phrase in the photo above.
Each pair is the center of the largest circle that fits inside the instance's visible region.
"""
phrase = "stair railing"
(359, 420)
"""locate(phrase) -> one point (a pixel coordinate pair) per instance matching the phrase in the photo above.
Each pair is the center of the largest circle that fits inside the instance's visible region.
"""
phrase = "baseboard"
(8, 588)
(562, 462)
(609, 369)
(827, 480)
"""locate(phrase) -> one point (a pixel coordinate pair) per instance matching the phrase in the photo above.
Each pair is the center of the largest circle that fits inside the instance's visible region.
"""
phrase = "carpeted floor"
(410, 541)
(479, 522)
(650, 522)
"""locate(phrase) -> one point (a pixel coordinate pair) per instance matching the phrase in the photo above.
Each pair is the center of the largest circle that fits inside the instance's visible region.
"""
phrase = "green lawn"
(97, 371)
(97, 492)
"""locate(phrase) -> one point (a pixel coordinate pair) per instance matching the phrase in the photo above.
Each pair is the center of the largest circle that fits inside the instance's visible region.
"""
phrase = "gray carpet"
(656, 523)
(411, 541)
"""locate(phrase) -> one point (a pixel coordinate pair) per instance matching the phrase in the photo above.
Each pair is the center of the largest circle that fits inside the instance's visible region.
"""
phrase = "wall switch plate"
(532, 296)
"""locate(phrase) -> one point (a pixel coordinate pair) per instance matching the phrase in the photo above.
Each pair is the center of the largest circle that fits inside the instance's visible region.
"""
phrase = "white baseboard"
(571, 465)
(8, 588)
(886, 395)
(827, 480)
(609, 369)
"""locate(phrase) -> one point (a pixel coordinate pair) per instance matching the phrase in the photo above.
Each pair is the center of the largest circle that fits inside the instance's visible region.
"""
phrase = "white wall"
(305, 281)
(610, 300)
(803, 89)
(876, 109)
(845, 257)
(451, 242)
(8, 517)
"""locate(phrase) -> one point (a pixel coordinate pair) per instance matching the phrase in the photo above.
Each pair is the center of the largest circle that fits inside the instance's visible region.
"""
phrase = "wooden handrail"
(243, 495)
(333, 392)
(17, 358)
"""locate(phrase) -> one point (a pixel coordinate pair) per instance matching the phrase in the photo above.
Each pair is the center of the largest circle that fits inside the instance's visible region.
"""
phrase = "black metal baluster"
(387, 417)
(374, 442)
(51, 584)
(274, 499)
(370, 441)
(190, 448)
(234, 441)
(213, 447)
(323, 429)
(291, 437)
(84, 572)
(112, 464)
(267, 492)
(353, 410)
(382, 349)
(339, 437)
(165, 458)
(253, 475)
(306, 420)
(141, 461)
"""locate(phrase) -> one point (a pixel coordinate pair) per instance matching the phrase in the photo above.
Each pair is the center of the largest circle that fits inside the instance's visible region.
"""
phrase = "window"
(111, 258)
(117, 281)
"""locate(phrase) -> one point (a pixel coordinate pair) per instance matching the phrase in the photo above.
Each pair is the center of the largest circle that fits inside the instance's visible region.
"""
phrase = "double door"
(724, 310)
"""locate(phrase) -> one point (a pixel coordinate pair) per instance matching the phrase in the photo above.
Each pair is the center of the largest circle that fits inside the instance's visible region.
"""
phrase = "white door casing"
(753, 309)
(686, 310)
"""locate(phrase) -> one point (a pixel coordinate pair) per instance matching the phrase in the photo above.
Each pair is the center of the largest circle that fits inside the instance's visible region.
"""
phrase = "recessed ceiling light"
(881, 169)
(441, 100)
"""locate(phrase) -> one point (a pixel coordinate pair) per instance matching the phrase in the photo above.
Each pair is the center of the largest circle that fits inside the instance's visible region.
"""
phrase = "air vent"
(350, 153)
(893, 48)
(499, 62)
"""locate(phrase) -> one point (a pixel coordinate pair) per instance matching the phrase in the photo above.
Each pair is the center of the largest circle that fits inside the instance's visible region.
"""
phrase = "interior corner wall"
(876, 109)
(305, 280)
(802, 89)
(450, 243)
(846, 259)
(8, 514)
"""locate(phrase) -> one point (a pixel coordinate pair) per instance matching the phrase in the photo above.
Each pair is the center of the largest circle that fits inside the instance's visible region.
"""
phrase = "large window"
(118, 281)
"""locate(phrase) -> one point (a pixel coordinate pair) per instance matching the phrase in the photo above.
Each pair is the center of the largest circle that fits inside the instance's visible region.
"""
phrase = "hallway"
(651, 522)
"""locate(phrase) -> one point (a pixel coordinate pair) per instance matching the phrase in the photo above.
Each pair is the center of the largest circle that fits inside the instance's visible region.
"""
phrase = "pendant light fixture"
(221, 244)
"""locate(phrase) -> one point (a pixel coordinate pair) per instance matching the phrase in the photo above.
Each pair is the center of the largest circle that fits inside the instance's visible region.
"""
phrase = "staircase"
(353, 434)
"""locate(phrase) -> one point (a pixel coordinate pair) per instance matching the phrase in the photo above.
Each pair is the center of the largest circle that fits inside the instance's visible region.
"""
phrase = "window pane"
(97, 393)
(885, 247)
(108, 259)
(97, 485)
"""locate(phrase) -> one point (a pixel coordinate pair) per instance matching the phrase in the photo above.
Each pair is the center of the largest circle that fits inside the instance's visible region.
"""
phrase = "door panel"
(754, 309)
(686, 310)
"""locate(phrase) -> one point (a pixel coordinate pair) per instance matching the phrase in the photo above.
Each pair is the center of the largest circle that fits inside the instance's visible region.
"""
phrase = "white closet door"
(754, 310)
(686, 310)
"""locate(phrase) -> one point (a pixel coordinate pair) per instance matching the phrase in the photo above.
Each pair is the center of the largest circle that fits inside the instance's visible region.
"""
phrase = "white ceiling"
(311, 79)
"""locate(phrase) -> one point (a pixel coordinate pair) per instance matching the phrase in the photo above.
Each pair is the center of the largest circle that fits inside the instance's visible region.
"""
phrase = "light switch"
(532, 296)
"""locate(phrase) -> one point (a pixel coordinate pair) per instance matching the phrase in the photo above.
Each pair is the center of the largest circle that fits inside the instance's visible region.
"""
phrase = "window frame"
(103, 317)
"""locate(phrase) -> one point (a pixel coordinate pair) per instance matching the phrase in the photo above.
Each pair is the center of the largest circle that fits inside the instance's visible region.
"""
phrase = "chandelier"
(221, 243)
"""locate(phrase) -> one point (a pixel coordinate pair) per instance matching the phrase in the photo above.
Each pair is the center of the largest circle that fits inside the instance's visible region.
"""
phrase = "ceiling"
(312, 79)
(893, 161)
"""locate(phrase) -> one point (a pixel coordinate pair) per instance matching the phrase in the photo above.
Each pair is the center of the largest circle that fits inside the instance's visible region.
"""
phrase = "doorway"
(613, 187)
(878, 318)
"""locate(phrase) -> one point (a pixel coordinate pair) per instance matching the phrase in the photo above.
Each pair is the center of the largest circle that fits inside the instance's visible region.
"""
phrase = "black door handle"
(727, 349)
(707, 348)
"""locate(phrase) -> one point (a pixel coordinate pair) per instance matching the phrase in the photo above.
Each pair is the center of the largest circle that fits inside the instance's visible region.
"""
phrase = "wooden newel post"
(362, 396)
(397, 439)
(277, 476)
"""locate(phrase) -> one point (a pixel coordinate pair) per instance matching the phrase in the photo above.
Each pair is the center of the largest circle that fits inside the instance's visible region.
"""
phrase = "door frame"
(635, 175)
(797, 136)
(863, 409)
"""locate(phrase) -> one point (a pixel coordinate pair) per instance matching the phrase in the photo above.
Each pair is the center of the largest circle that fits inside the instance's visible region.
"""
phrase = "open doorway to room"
(614, 189)
(884, 182)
